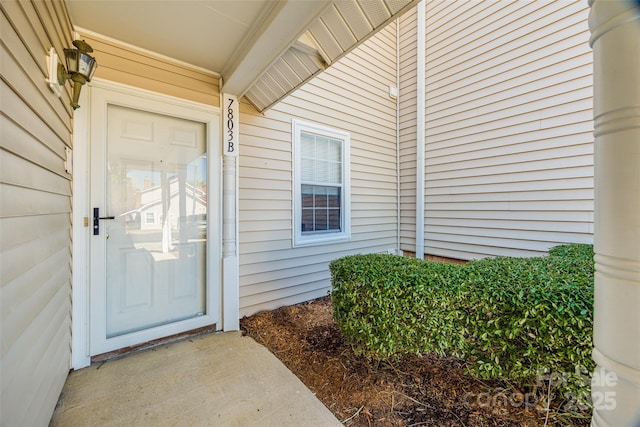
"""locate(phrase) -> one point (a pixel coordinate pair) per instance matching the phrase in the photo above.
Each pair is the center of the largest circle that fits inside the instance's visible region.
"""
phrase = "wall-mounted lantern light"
(80, 68)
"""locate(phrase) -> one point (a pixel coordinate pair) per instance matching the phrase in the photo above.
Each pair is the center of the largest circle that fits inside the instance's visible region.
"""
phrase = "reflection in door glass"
(157, 191)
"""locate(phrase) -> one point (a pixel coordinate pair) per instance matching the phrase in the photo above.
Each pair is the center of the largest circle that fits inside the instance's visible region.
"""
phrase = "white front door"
(154, 204)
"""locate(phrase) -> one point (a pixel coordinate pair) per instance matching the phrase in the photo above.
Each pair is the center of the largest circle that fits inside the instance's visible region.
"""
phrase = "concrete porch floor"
(207, 380)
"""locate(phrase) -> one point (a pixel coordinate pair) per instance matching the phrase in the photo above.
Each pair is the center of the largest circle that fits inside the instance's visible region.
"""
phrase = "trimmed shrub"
(515, 319)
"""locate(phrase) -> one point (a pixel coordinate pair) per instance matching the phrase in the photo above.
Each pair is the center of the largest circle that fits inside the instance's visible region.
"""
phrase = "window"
(321, 184)
(150, 218)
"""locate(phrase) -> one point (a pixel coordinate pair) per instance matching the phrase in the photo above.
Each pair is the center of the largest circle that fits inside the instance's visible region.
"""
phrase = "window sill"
(302, 241)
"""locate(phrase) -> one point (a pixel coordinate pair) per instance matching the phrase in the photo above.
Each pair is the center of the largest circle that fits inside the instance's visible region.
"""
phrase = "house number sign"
(230, 116)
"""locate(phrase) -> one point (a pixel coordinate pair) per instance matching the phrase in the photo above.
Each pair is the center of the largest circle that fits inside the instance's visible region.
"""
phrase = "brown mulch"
(410, 391)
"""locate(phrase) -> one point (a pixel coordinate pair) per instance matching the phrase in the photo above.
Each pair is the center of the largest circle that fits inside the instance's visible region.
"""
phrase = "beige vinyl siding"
(122, 63)
(351, 96)
(509, 145)
(35, 208)
(407, 129)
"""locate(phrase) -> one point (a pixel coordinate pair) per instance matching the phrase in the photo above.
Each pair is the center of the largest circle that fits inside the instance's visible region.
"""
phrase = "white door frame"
(81, 209)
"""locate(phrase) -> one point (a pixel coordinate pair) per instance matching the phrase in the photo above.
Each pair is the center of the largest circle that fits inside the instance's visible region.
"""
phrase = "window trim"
(300, 239)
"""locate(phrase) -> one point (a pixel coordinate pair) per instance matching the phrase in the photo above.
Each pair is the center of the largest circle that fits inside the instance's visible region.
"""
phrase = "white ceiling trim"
(339, 29)
(79, 32)
(281, 25)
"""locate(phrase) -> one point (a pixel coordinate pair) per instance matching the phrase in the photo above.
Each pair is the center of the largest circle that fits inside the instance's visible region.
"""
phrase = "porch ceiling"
(263, 49)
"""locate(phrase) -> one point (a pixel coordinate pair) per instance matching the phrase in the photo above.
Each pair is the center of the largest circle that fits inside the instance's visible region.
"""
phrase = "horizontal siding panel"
(461, 251)
(516, 186)
(31, 202)
(260, 195)
(21, 259)
(310, 107)
(35, 206)
(12, 73)
(127, 65)
(381, 215)
(295, 258)
(341, 87)
(265, 184)
(483, 20)
(494, 214)
(265, 205)
(509, 143)
(533, 205)
(370, 58)
(555, 168)
(303, 287)
(259, 225)
(481, 95)
(13, 107)
(18, 141)
(50, 274)
(17, 231)
(515, 196)
(365, 193)
(27, 354)
(373, 157)
(512, 135)
(277, 300)
(532, 224)
(270, 281)
(12, 170)
(494, 148)
(435, 165)
(32, 61)
(266, 163)
(261, 236)
(526, 35)
(502, 244)
(351, 96)
(263, 150)
(541, 104)
(474, 234)
(482, 246)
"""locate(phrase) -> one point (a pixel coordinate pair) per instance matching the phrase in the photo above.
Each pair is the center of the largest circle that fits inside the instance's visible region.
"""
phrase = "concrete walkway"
(208, 380)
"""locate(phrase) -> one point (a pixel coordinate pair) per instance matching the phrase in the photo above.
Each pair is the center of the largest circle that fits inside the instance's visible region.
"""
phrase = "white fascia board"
(282, 25)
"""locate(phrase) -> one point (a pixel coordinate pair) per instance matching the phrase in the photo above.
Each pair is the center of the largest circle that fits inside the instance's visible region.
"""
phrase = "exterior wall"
(509, 144)
(353, 96)
(407, 131)
(122, 63)
(35, 207)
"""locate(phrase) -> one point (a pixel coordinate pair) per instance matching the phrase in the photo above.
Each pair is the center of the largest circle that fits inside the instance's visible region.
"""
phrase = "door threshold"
(125, 351)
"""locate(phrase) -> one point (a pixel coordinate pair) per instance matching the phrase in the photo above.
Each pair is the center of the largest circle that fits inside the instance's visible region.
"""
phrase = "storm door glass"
(156, 190)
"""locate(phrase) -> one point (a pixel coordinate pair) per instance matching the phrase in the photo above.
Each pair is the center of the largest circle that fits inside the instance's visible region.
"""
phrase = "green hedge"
(509, 318)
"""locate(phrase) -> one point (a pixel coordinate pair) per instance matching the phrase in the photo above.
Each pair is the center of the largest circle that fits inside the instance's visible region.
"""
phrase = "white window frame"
(307, 239)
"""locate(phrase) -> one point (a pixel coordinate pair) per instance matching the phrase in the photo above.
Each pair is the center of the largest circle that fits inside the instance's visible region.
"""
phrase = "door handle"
(96, 220)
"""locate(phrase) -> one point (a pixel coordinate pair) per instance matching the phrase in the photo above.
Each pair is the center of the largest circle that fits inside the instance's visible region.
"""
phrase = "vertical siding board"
(35, 192)
(509, 128)
(352, 96)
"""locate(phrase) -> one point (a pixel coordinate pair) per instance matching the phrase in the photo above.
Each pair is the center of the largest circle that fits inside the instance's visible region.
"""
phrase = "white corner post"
(230, 262)
(420, 127)
(615, 29)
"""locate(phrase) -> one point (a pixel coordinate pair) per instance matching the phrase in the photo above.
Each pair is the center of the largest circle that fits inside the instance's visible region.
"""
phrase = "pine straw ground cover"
(410, 391)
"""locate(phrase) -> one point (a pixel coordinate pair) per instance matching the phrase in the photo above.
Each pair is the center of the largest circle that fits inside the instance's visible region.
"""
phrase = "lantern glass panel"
(84, 65)
(71, 56)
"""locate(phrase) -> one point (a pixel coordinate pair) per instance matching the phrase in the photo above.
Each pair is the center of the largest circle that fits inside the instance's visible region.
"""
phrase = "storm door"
(150, 200)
